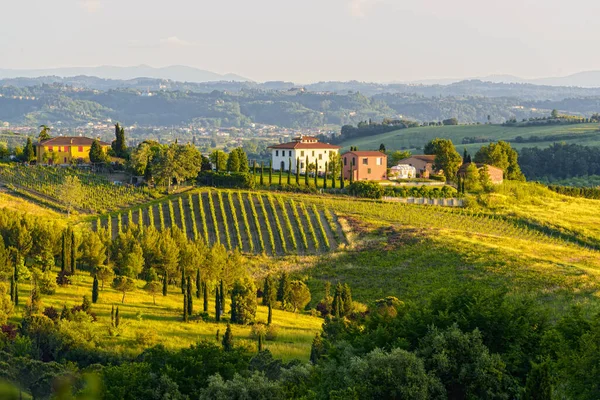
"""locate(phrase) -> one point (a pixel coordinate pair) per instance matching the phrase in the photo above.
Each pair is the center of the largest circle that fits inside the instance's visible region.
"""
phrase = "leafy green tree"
(503, 156)
(255, 386)
(447, 158)
(71, 193)
(243, 301)
(554, 114)
(153, 288)
(233, 161)
(299, 295)
(28, 151)
(124, 285)
(540, 382)
(465, 366)
(219, 159)
(44, 133)
(97, 154)
(472, 179)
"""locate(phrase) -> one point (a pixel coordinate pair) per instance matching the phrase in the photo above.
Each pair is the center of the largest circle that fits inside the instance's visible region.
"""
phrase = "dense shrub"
(367, 189)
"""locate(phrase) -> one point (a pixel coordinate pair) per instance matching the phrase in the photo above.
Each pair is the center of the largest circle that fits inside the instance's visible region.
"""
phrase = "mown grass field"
(253, 222)
(162, 323)
(413, 138)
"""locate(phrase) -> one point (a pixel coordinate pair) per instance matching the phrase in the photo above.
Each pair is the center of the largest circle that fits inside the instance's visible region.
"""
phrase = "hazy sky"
(308, 40)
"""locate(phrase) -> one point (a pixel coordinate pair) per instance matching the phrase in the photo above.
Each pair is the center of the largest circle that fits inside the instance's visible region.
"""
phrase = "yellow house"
(65, 150)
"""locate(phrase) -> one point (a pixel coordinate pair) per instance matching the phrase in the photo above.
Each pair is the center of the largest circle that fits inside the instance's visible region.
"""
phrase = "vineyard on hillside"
(99, 194)
(253, 222)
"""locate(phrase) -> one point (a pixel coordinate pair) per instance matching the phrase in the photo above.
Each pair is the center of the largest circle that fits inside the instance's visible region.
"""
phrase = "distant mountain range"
(175, 72)
(586, 79)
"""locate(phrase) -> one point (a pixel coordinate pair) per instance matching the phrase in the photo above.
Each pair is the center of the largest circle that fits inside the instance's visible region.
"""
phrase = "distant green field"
(414, 139)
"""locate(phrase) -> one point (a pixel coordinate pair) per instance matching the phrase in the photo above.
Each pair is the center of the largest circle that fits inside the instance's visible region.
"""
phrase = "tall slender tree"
(270, 173)
(297, 170)
(95, 289)
(262, 175)
(112, 315)
(190, 296)
(73, 253)
(341, 175)
(198, 284)
(280, 172)
(316, 174)
(182, 281)
(222, 298)
(28, 151)
(270, 315)
(289, 172)
(205, 293)
(306, 171)
(228, 339)
(217, 305)
(165, 284)
(117, 318)
(63, 253)
(185, 307)
(325, 176)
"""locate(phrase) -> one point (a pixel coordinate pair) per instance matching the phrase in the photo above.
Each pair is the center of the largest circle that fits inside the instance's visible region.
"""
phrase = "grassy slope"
(295, 331)
(410, 251)
(418, 137)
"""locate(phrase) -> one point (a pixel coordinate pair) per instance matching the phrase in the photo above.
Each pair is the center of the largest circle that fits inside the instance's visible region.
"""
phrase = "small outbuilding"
(402, 171)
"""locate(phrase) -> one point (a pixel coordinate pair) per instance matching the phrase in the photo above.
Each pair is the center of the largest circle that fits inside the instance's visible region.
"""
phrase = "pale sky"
(308, 40)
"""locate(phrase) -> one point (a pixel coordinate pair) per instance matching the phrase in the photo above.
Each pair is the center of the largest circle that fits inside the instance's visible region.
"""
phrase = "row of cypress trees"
(328, 169)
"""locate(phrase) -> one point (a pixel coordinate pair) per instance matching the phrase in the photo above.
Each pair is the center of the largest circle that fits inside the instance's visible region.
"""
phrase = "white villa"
(402, 171)
(300, 148)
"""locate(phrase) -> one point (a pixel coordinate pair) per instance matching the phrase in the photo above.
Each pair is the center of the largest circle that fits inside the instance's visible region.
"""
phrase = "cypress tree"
(316, 174)
(64, 315)
(254, 168)
(289, 176)
(332, 167)
(73, 253)
(266, 290)
(342, 175)
(297, 170)
(228, 339)
(190, 296)
(262, 175)
(270, 172)
(12, 288)
(95, 290)
(270, 316)
(198, 284)
(260, 342)
(283, 291)
(222, 298)
(280, 176)
(205, 292)
(317, 349)
(217, 306)
(325, 177)
(347, 299)
(185, 307)
(306, 172)
(16, 293)
(182, 281)
(218, 334)
(117, 318)
(233, 309)
(112, 315)
(165, 284)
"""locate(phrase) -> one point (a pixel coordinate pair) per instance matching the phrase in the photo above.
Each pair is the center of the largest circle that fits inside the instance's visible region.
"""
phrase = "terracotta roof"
(367, 153)
(300, 145)
(69, 140)
(423, 157)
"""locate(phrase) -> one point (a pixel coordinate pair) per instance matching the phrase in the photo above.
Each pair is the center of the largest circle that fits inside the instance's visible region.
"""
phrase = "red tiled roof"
(424, 157)
(367, 153)
(69, 140)
(300, 145)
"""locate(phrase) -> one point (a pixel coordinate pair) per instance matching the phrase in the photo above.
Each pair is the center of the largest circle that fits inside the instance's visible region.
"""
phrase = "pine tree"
(205, 293)
(117, 318)
(270, 316)
(217, 306)
(297, 170)
(190, 296)
(95, 290)
(325, 177)
(112, 315)
(317, 349)
(198, 284)
(182, 281)
(73, 253)
(86, 305)
(165, 284)
(228, 339)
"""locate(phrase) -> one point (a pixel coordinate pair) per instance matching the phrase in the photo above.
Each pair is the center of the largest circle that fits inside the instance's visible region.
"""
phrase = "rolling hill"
(414, 139)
